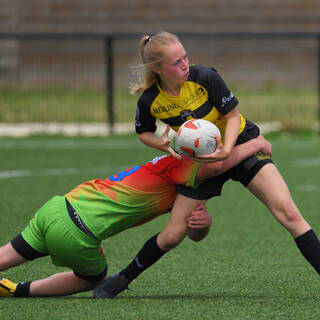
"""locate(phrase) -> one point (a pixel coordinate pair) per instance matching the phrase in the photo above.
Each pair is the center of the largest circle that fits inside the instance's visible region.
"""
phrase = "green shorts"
(51, 231)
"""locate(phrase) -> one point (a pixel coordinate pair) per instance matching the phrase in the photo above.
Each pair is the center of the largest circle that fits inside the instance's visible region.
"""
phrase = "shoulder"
(164, 164)
(199, 72)
(148, 96)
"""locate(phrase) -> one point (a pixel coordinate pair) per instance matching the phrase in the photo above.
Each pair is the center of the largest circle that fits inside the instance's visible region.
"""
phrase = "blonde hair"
(151, 53)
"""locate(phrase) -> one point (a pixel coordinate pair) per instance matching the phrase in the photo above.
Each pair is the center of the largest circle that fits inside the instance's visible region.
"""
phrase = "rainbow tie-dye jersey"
(131, 197)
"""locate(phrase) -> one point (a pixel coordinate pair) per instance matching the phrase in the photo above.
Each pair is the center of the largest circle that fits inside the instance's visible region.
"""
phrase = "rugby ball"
(196, 137)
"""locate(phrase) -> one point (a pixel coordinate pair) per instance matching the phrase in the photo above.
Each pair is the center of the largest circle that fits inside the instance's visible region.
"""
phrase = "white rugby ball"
(196, 137)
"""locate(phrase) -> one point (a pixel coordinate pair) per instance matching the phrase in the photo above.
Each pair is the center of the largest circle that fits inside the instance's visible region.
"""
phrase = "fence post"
(109, 81)
(318, 80)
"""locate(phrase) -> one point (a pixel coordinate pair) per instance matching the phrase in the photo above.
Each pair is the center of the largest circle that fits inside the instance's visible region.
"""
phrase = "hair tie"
(149, 39)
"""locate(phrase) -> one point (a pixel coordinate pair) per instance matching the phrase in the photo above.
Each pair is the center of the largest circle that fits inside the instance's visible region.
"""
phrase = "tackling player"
(70, 228)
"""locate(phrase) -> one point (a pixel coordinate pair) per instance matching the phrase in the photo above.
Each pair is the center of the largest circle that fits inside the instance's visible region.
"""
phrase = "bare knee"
(289, 216)
(169, 241)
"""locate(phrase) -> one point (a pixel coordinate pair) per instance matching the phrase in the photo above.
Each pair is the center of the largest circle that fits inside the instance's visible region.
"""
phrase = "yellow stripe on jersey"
(192, 102)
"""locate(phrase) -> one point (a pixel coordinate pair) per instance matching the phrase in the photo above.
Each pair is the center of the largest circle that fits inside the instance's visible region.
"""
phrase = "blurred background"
(69, 61)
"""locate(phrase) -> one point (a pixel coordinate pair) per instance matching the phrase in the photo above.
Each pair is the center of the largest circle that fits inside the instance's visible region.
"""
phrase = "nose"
(185, 64)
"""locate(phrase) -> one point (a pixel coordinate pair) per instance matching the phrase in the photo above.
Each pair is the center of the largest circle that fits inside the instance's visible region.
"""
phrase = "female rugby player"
(174, 91)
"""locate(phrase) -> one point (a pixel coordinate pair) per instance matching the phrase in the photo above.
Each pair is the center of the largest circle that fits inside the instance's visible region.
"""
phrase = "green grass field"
(247, 268)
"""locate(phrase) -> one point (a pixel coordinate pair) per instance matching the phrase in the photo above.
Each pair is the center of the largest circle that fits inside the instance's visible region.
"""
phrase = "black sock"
(309, 245)
(23, 289)
(147, 256)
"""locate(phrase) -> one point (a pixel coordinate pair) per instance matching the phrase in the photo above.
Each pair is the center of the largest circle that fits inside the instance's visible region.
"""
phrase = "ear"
(156, 69)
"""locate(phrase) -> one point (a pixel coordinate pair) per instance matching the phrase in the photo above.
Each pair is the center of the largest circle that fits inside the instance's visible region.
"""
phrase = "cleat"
(7, 288)
(111, 286)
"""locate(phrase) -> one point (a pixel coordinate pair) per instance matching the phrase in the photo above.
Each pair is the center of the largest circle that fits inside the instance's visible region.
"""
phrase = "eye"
(179, 61)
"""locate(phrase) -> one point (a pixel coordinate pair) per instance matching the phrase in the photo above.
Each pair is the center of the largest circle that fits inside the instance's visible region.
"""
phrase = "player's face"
(175, 67)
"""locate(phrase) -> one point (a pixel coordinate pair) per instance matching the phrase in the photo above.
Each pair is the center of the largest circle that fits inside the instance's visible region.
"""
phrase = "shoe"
(111, 286)
(7, 288)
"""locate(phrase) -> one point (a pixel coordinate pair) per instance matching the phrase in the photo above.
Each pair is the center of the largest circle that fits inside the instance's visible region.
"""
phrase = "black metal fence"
(292, 59)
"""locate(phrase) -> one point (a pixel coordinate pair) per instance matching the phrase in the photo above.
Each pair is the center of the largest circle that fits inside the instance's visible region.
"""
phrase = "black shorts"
(243, 172)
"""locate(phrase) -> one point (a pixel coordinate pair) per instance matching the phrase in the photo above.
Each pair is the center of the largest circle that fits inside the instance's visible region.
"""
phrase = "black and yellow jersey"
(204, 95)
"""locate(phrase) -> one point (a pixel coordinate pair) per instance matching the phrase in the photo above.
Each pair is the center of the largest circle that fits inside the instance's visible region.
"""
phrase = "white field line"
(307, 188)
(306, 162)
(70, 144)
(106, 170)
(67, 129)
(90, 129)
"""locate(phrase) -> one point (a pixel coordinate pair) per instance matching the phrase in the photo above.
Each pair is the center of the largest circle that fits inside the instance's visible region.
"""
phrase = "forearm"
(162, 143)
(231, 131)
(151, 140)
(238, 154)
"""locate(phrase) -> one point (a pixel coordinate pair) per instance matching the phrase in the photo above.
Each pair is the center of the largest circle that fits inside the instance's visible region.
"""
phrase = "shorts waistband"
(77, 220)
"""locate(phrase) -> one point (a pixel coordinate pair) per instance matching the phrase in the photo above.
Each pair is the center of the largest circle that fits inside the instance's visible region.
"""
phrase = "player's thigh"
(269, 186)
(70, 247)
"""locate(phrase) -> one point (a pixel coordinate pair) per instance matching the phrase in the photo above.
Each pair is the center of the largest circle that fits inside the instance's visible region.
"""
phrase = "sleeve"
(219, 94)
(144, 121)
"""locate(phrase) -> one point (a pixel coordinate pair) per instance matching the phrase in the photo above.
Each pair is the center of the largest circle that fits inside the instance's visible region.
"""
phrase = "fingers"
(174, 154)
(166, 131)
(198, 223)
(200, 208)
(200, 218)
(266, 145)
(218, 139)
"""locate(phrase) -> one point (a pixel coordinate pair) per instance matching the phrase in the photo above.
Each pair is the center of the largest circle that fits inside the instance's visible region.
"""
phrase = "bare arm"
(230, 137)
(199, 223)
(238, 154)
(176, 228)
(232, 130)
(161, 143)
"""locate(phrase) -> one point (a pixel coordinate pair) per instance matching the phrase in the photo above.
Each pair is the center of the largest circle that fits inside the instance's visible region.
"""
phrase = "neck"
(172, 89)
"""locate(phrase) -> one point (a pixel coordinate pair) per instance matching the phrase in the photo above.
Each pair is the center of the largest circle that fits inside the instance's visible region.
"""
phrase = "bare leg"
(269, 186)
(60, 284)
(271, 189)
(9, 257)
(56, 285)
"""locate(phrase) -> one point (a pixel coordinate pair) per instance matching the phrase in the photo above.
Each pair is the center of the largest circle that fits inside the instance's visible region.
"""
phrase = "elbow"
(146, 138)
(140, 137)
